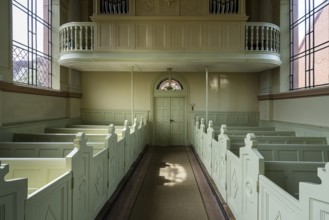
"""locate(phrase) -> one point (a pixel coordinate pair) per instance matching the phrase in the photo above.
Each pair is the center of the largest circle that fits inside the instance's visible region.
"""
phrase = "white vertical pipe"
(207, 95)
(132, 94)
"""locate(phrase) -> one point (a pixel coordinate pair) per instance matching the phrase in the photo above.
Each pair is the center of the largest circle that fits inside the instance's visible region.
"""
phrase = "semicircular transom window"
(170, 84)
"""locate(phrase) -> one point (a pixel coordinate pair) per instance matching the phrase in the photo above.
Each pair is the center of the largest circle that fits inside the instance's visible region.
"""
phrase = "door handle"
(171, 121)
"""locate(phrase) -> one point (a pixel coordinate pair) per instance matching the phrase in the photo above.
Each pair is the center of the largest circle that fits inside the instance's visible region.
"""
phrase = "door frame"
(184, 93)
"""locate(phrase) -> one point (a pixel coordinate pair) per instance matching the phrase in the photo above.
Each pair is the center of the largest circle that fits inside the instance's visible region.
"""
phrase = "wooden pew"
(238, 176)
(50, 180)
(13, 194)
(244, 172)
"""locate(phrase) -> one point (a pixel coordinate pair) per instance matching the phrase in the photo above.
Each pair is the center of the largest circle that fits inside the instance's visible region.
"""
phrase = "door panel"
(162, 121)
(177, 117)
(169, 121)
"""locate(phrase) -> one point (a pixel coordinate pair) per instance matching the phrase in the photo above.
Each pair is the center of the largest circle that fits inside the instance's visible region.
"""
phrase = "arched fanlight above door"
(169, 84)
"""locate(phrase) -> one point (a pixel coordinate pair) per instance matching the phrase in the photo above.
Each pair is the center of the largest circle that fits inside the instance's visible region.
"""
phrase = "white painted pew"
(243, 174)
(93, 185)
(89, 180)
(13, 193)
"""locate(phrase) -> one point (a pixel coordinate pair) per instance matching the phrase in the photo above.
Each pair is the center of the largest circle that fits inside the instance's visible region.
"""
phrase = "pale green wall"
(18, 107)
(228, 91)
(309, 111)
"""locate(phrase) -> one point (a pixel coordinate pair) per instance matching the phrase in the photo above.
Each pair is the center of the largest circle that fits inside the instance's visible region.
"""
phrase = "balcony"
(187, 43)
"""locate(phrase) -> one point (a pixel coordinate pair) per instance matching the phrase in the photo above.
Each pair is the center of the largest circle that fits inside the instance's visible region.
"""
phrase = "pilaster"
(6, 41)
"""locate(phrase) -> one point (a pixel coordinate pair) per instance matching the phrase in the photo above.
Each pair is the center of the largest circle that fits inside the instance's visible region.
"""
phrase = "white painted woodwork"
(213, 41)
(270, 187)
(73, 186)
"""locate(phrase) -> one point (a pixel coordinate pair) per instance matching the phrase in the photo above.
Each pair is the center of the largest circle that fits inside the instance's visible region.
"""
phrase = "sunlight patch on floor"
(173, 174)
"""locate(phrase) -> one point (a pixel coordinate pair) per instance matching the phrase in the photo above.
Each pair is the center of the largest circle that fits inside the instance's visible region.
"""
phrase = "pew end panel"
(314, 198)
(13, 193)
(52, 201)
(276, 203)
(207, 147)
(221, 159)
(99, 181)
(113, 160)
(79, 161)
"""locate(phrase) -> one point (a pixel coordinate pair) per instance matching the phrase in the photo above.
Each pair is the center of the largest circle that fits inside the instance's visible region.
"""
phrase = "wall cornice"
(11, 87)
(296, 94)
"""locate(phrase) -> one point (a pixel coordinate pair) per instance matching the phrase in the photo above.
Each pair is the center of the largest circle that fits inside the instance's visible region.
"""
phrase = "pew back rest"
(245, 128)
(76, 130)
(260, 133)
(294, 152)
(287, 175)
(281, 140)
(42, 149)
(39, 171)
(42, 137)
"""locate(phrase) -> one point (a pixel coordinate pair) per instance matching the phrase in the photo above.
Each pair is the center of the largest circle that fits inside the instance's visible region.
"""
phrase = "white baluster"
(92, 37)
(71, 37)
(266, 39)
(86, 39)
(75, 37)
(251, 38)
(262, 39)
(66, 39)
(257, 37)
(247, 34)
(60, 41)
(271, 39)
(80, 37)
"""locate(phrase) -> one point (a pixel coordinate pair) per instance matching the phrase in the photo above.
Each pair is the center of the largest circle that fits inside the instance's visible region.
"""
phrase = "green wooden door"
(169, 121)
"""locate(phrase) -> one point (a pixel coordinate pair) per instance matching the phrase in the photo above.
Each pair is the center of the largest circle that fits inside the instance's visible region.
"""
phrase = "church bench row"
(207, 139)
(105, 170)
(289, 152)
(243, 182)
(231, 173)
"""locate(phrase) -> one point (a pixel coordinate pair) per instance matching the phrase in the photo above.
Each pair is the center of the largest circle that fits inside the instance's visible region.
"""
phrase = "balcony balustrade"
(118, 43)
(259, 36)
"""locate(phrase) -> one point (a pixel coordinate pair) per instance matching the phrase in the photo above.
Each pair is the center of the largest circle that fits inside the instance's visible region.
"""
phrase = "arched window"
(169, 84)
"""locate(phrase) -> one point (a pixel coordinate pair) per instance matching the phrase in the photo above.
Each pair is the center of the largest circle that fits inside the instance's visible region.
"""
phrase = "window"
(309, 43)
(223, 6)
(170, 84)
(32, 42)
(114, 7)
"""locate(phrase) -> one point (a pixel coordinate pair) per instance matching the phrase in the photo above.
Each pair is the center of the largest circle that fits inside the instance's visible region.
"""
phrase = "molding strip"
(296, 94)
(10, 87)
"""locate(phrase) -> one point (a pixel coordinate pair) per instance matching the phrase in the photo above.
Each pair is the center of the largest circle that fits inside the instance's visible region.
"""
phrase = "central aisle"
(166, 184)
(169, 190)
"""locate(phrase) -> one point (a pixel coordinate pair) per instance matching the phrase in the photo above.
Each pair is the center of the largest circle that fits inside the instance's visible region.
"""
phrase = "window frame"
(28, 55)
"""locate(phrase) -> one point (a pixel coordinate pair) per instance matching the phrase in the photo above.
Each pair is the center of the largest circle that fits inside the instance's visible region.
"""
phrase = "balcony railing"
(259, 36)
(77, 36)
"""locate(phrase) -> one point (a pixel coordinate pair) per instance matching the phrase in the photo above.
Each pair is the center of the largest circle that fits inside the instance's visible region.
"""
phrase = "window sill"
(11, 87)
(323, 91)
